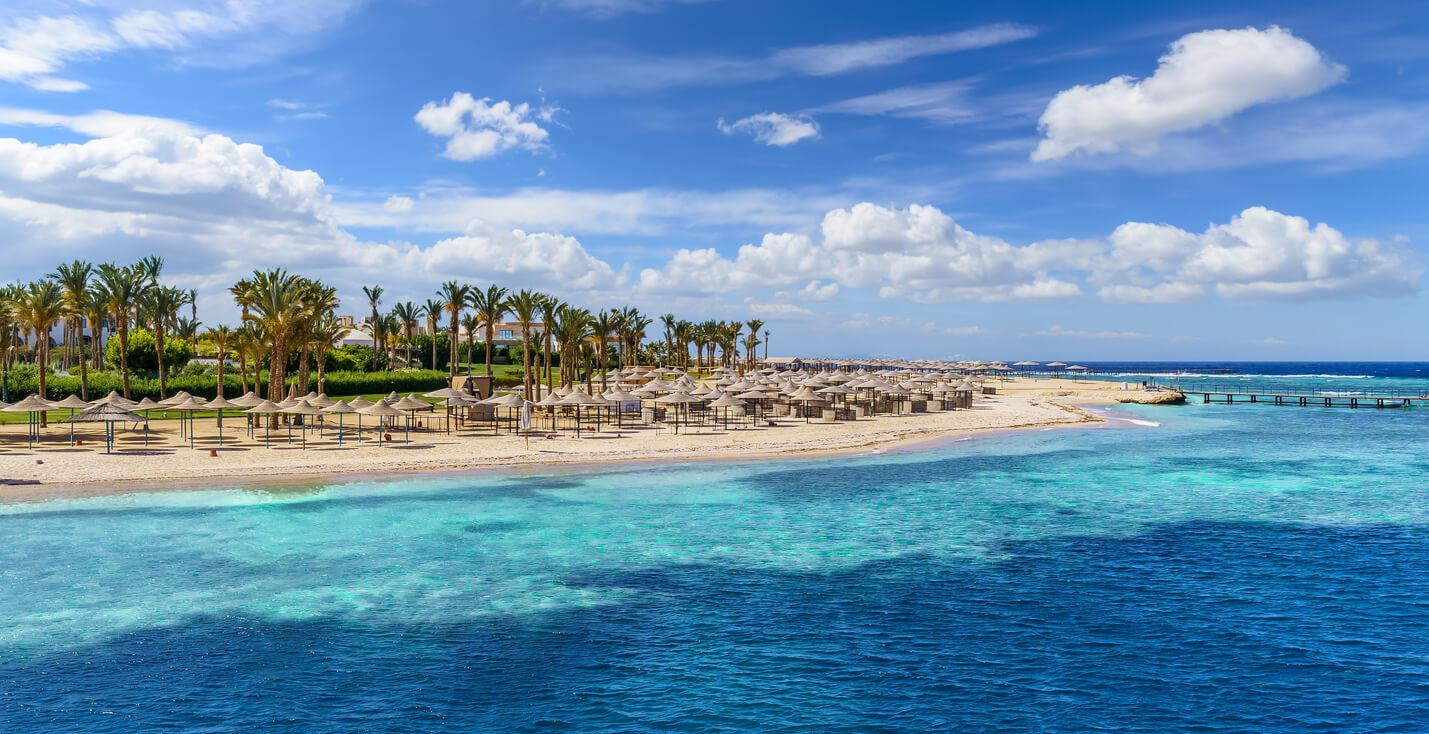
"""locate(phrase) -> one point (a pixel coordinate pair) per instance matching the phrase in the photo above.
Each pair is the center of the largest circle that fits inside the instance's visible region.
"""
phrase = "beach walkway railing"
(1289, 394)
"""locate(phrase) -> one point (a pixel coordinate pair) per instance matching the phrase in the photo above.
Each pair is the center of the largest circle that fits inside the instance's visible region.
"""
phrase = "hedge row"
(22, 382)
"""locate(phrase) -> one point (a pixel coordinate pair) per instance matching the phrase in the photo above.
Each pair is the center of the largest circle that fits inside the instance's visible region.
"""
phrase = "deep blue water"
(1204, 568)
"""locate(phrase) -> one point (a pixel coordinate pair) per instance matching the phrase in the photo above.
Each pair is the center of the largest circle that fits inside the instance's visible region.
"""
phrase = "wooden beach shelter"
(341, 408)
(73, 403)
(218, 404)
(108, 414)
(34, 405)
(381, 410)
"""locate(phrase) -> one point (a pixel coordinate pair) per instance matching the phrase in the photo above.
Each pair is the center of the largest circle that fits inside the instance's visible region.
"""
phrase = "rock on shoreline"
(1153, 397)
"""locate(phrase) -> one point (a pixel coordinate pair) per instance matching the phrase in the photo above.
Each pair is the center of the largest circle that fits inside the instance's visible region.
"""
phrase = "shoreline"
(1013, 411)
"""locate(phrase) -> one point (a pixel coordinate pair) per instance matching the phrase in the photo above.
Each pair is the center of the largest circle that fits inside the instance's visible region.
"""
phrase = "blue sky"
(1018, 181)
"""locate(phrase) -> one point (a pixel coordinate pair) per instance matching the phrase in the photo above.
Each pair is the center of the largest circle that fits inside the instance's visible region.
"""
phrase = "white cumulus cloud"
(773, 128)
(478, 128)
(1205, 77)
(396, 204)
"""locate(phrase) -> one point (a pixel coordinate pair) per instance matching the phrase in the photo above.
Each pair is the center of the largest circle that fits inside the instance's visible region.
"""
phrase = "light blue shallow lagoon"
(1199, 568)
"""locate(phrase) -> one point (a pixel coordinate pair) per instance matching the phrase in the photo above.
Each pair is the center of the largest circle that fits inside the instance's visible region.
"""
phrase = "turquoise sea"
(1202, 568)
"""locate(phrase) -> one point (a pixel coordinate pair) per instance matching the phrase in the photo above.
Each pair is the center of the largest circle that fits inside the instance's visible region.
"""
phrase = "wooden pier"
(1316, 400)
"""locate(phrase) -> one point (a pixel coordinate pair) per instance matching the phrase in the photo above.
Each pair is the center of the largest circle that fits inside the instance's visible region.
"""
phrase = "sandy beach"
(42, 471)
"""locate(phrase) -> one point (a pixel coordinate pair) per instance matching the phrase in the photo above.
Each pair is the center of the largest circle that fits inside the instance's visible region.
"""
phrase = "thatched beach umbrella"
(34, 405)
(410, 405)
(303, 407)
(807, 395)
(341, 408)
(188, 407)
(175, 399)
(73, 403)
(143, 406)
(728, 403)
(109, 414)
(381, 410)
(579, 398)
(677, 399)
(218, 404)
(266, 407)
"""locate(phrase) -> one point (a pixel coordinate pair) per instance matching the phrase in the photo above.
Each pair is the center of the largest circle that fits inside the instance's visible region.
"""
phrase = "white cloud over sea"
(1204, 78)
(217, 208)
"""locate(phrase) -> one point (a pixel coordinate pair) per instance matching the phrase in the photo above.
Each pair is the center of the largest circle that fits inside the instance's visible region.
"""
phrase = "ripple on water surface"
(1228, 570)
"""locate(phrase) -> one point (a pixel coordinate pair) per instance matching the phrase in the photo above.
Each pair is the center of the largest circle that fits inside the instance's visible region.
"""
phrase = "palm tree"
(221, 336)
(192, 298)
(602, 326)
(409, 315)
(37, 308)
(669, 321)
(319, 301)
(524, 306)
(95, 309)
(684, 335)
(383, 328)
(456, 295)
(571, 327)
(150, 267)
(470, 322)
(7, 340)
(248, 345)
(123, 287)
(276, 304)
(751, 341)
(491, 307)
(74, 279)
(163, 304)
(325, 333)
(754, 326)
(374, 299)
(550, 306)
(434, 308)
(766, 345)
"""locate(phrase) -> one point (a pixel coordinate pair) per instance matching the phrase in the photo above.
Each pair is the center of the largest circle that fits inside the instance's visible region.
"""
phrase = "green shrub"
(143, 358)
(367, 383)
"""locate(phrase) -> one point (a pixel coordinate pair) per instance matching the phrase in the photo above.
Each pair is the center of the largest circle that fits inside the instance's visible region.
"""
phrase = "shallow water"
(1229, 568)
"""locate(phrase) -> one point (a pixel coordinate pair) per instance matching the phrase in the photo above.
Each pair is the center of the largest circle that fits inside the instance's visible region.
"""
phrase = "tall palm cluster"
(82, 297)
(708, 336)
(283, 312)
(557, 338)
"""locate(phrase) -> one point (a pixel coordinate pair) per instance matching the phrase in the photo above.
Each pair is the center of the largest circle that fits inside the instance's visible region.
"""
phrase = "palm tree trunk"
(83, 366)
(304, 374)
(42, 348)
(489, 334)
(124, 356)
(451, 342)
(159, 351)
(526, 359)
(243, 372)
(276, 374)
